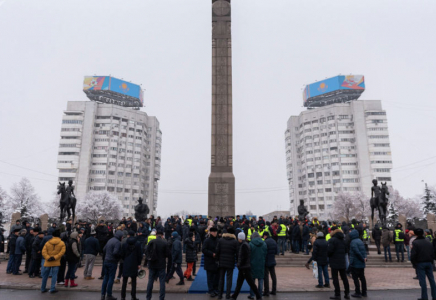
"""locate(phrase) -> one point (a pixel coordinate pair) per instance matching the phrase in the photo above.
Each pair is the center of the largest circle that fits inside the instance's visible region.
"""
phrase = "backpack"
(401, 235)
(151, 253)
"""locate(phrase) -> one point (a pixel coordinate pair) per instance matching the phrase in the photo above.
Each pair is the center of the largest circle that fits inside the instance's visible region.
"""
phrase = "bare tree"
(343, 206)
(23, 199)
(52, 208)
(5, 213)
(97, 205)
(361, 205)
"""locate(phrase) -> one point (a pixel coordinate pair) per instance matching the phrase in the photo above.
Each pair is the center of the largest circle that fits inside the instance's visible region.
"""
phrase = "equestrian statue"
(379, 201)
(67, 201)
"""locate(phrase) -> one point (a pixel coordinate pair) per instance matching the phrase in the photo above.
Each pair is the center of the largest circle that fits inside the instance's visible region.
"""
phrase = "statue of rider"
(141, 211)
(376, 192)
(70, 193)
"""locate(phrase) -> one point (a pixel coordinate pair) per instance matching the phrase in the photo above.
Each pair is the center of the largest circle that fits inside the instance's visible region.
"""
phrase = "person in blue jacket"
(357, 264)
(20, 249)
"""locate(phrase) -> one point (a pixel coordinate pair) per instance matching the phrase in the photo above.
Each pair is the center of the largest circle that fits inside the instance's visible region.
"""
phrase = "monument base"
(221, 194)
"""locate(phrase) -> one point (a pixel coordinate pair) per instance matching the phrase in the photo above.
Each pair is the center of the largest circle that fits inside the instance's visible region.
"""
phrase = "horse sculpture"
(379, 201)
(67, 201)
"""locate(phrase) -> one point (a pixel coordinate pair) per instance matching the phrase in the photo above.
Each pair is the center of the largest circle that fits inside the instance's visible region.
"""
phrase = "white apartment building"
(112, 148)
(339, 147)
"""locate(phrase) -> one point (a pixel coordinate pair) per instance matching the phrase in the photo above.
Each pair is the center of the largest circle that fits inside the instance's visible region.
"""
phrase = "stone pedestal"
(44, 221)
(403, 221)
(431, 222)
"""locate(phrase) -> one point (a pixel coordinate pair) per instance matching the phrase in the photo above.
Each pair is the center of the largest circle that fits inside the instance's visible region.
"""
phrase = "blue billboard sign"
(350, 82)
(124, 87)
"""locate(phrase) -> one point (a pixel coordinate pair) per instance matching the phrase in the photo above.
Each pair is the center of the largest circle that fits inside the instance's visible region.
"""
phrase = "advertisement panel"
(349, 82)
(322, 87)
(96, 83)
(355, 82)
(124, 87)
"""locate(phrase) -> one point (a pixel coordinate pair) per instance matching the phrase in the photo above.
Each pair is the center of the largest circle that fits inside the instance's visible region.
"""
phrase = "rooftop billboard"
(102, 88)
(337, 83)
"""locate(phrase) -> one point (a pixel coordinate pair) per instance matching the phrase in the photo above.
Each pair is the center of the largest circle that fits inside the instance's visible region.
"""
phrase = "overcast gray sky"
(47, 46)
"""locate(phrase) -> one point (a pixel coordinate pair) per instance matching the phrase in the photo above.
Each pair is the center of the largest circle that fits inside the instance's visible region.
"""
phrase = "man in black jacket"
(319, 255)
(422, 257)
(210, 263)
(270, 265)
(11, 246)
(376, 235)
(244, 267)
(28, 239)
(226, 252)
(92, 248)
(156, 255)
(336, 251)
(35, 263)
(296, 238)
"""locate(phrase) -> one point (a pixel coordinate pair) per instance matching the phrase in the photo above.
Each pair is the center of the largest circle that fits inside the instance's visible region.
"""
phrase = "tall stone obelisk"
(221, 180)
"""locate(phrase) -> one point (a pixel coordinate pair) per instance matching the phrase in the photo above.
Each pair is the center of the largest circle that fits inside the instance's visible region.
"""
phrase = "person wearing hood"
(258, 253)
(376, 235)
(72, 257)
(244, 267)
(386, 242)
(191, 255)
(336, 251)
(92, 248)
(319, 255)
(357, 264)
(226, 251)
(131, 255)
(52, 253)
(112, 252)
(270, 264)
(210, 263)
(176, 259)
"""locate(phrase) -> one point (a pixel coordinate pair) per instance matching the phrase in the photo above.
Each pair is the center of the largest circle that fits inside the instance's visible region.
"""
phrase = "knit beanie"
(241, 236)
(255, 235)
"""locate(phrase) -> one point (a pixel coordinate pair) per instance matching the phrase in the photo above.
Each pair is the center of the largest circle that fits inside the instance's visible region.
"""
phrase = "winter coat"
(191, 251)
(29, 241)
(162, 252)
(132, 256)
(226, 251)
(209, 249)
(201, 230)
(176, 251)
(2, 242)
(296, 234)
(319, 253)
(271, 252)
(15, 226)
(113, 248)
(102, 233)
(143, 234)
(36, 249)
(53, 248)
(376, 233)
(12, 243)
(91, 246)
(305, 234)
(185, 231)
(386, 237)
(422, 251)
(46, 238)
(345, 228)
(20, 247)
(336, 250)
(244, 256)
(357, 251)
(258, 257)
(73, 249)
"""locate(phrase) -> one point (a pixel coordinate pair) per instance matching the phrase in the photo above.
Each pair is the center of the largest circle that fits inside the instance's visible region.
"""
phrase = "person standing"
(176, 258)
(386, 242)
(296, 237)
(305, 238)
(270, 264)
(258, 250)
(226, 251)
(52, 253)
(319, 254)
(244, 267)
(112, 252)
(399, 242)
(210, 263)
(156, 254)
(422, 258)
(191, 255)
(132, 256)
(357, 264)
(12, 243)
(281, 237)
(92, 248)
(36, 253)
(336, 251)
(30, 236)
(376, 235)
(72, 257)
(20, 249)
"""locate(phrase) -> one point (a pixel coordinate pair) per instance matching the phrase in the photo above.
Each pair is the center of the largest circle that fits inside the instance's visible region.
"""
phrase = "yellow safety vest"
(150, 238)
(352, 225)
(250, 232)
(339, 227)
(261, 234)
(429, 236)
(365, 235)
(283, 231)
(190, 222)
(397, 235)
(327, 237)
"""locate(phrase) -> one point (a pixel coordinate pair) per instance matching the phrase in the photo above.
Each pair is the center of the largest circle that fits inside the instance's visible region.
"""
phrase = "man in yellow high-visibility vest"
(281, 238)
(399, 242)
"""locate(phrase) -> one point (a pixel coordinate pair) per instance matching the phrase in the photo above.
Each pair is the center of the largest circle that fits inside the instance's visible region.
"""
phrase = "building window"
(384, 178)
(72, 121)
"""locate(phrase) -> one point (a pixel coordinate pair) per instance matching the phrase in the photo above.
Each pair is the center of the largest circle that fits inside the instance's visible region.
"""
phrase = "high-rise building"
(108, 147)
(336, 147)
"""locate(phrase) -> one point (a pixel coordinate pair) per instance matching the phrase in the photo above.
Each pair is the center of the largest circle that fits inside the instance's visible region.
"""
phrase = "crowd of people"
(250, 244)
